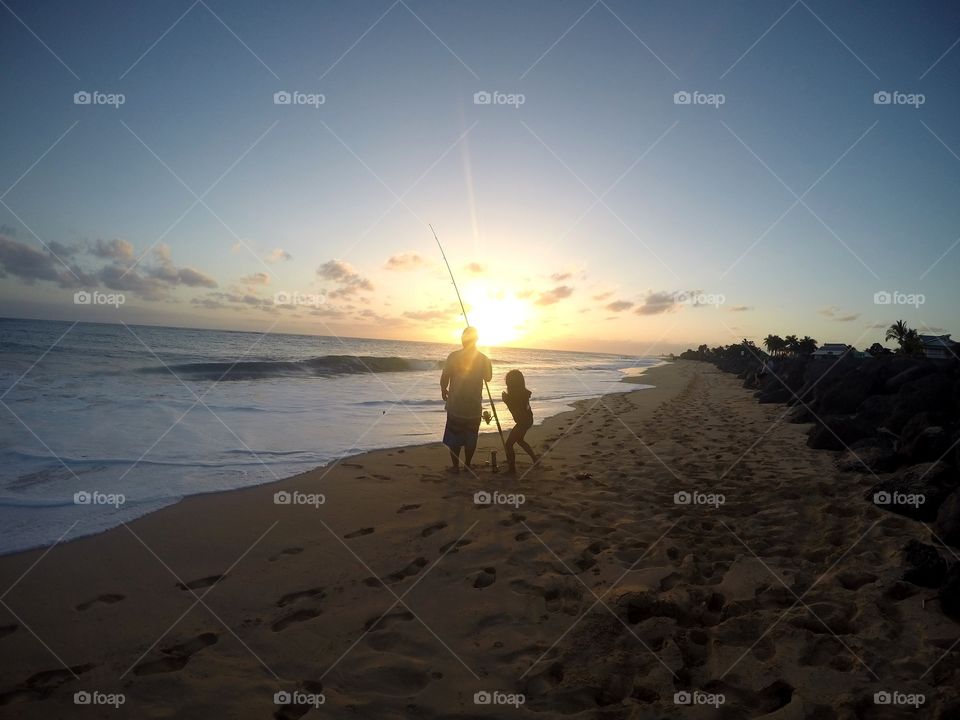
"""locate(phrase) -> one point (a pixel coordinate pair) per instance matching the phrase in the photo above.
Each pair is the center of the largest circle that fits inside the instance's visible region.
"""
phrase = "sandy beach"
(585, 589)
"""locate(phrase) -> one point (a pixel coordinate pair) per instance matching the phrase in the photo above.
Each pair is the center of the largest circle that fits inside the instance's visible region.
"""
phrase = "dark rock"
(950, 592)
(925, 566)
(837, 432)
(845, 396)
(917, 491)
(875, 410)
(948, 519)
(868, 458)
(932, 393)
(800, 414)
(909, 374)
(923, 440)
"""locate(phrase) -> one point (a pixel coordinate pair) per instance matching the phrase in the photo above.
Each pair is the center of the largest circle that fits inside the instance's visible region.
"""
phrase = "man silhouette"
(461, 386)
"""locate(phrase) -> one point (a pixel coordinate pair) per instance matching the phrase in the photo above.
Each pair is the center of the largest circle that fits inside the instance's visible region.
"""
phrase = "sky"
(612, 176)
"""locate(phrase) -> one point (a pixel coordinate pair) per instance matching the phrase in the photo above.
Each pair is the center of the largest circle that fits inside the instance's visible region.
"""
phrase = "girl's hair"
(515, 382)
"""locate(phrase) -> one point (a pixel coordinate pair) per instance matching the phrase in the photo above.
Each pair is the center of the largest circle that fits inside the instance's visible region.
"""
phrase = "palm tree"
(898, 331)
(792, 344)
(807, 346)
(774, 344)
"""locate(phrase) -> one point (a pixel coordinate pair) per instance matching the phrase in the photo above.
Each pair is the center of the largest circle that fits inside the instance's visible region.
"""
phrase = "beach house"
(828, 350)
(938, 347)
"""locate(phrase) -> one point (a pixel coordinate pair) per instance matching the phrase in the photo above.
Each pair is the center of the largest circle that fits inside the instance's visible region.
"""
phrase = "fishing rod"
(467, 321)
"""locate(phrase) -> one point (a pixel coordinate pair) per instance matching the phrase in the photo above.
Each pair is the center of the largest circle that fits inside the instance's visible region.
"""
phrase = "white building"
(828, 350)
(937, 347)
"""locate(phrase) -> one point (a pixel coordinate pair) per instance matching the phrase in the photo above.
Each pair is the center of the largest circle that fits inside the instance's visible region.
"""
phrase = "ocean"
(105, 423)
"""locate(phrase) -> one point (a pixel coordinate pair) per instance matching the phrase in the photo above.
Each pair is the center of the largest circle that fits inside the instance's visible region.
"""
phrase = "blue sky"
(598, 189)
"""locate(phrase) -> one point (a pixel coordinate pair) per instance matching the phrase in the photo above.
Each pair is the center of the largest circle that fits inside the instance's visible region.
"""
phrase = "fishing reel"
(487, 417)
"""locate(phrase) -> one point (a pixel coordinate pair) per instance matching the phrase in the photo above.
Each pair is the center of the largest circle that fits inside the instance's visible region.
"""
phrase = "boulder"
(948, 520)
(845, 396)
(837, 432)
(923, 439)
(867, 457)
(917, 491)
(933, 392)
(917, 369)
(925, 566)
(950, 592)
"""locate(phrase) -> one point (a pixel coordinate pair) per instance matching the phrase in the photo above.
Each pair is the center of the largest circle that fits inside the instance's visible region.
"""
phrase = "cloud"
(619, 306)
(656, 303)
(877, 325)
(165, 271)
(406, 261)
(829, 311)
(603, 296)
(259, 278)
(475, 268)
(554, 296)
(740, 308)
(118, 277)
(524, 294)
(115, 249)
(234, 301)
(561, 276)
(30, 265)
(832, 311)
(847, 318)
(278, 255)
(348, 280)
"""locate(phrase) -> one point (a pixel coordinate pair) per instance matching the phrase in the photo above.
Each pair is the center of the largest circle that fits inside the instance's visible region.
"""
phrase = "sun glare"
(500, 317)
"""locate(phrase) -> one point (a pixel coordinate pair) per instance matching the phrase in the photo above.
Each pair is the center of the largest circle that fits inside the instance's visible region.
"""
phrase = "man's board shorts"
(461, 432)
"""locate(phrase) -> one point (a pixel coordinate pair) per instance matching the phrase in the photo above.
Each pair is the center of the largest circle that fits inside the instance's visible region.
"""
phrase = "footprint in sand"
(8, 630)
(41, 684)
(287, 551)
(297, 616)
(359, 533)
(414, 567)
(177, 656)
(317, 592)
(454, 546)
(201, 583)
(485, 578)
(431, 529)
(382, 622)
(407, 508)
(108, 599)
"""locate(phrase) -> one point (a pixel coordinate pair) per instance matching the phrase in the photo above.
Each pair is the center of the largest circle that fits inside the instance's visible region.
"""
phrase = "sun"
(499, 316)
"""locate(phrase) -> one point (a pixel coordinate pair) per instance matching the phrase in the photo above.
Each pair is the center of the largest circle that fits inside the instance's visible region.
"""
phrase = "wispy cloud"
(555, 295)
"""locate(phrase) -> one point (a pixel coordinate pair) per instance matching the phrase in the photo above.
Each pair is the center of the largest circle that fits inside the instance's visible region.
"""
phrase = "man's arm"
(488, 370)
(445, 379)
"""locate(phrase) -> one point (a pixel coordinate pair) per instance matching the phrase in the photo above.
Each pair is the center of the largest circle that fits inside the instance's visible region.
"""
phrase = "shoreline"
(403, 595)
(636, 378)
